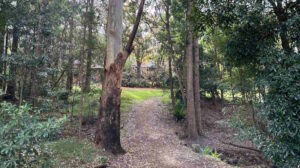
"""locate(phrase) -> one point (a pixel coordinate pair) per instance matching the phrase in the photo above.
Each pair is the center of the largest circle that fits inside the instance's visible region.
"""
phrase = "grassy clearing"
(131, 95)
(128, 98)
(72, 152)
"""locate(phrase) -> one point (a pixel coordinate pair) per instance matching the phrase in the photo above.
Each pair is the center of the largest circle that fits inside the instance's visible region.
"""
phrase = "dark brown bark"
(191, 121)
(171, 53)
(11, 84)
(108, 131)
(87, 86)
(198, 114)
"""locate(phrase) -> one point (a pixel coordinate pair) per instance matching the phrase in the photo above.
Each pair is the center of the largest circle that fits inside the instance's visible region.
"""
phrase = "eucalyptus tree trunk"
(90, 47)
(198, 114)
(190, 112)
(171, 53)
(108, 125)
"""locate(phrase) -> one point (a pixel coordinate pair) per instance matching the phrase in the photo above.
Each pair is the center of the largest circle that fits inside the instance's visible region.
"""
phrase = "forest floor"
(223, 139)
(150, 138)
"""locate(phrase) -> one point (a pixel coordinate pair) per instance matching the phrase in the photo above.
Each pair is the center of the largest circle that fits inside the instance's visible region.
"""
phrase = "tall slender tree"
(171, 52)
(190, 112)
(71, 54)
(11, 85)
(82, 93)
(90, 21)
(38, 50)
(2, 39)
(108, 130)
(198, 114)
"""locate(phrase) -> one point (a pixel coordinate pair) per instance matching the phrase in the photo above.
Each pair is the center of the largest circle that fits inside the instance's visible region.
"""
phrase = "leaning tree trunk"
(198, 114)
(108, 131)
(191, 121)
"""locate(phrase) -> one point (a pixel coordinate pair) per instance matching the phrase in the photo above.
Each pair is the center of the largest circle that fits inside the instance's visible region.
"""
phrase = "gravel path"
(149, 138)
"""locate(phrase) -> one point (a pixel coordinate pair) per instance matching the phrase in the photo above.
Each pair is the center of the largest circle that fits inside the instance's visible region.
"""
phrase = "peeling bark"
(108, 125)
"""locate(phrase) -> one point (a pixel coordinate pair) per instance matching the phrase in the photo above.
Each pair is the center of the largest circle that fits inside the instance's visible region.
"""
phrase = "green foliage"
(249, 36)
(279, 112)
(21, 135)
(281, 108)
(166, 99)
(129, 80)
(179, 112)
(208, 151)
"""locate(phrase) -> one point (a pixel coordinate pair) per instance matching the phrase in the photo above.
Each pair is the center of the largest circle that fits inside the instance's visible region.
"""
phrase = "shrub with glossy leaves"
(280, 108)
(22, 134)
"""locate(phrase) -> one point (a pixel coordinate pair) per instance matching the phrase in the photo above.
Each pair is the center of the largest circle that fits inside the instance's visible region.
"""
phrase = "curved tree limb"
(129, 45)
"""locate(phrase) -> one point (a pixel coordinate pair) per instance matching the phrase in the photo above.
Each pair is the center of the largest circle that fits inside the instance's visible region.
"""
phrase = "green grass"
(128, 98)
(166, 99)
(72, 152)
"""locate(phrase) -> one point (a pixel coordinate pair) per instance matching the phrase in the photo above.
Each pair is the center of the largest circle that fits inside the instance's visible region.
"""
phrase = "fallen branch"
(240, 146)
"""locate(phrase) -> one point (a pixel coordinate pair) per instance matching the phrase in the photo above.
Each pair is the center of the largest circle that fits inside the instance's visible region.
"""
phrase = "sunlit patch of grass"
(132, 95)
(128, 97)
(166, 99)
(72, 152)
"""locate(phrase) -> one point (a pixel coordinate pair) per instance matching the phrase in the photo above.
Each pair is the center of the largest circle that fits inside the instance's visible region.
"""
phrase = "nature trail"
(149, 137)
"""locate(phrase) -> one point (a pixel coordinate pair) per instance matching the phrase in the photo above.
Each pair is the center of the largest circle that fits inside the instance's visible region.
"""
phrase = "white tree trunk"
(114, 31)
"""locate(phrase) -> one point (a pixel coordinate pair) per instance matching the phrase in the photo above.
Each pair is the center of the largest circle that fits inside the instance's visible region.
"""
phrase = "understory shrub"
(278, 133)
(22, 134)
(280, 109)
(179, 112)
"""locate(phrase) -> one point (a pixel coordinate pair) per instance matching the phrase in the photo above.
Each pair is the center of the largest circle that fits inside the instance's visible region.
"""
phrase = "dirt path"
(149, 138)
